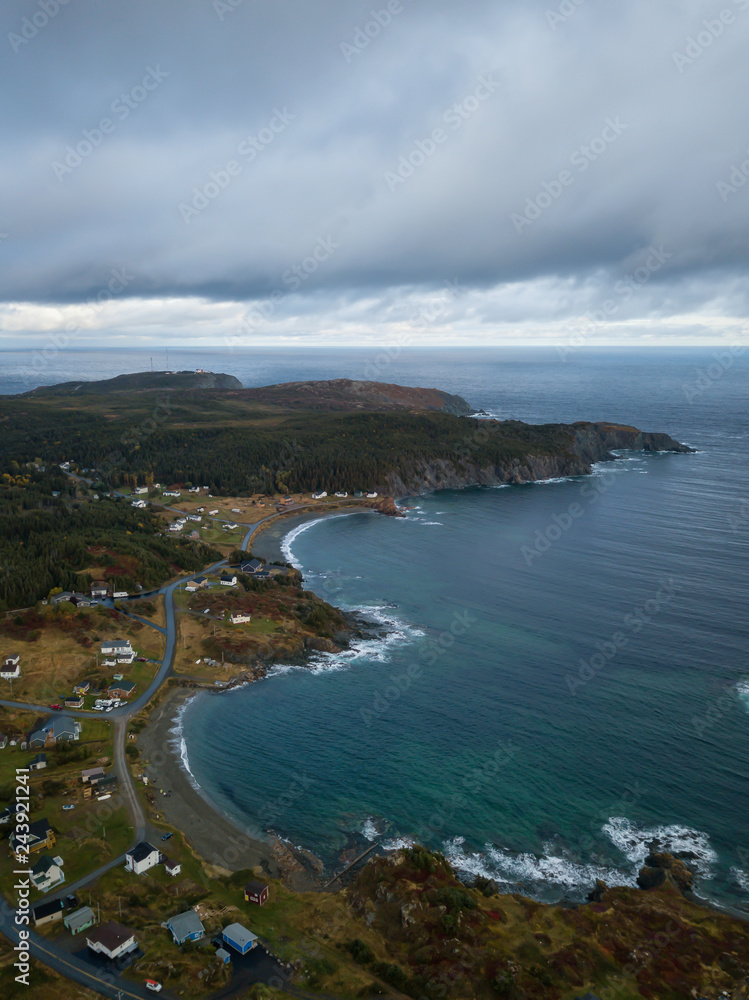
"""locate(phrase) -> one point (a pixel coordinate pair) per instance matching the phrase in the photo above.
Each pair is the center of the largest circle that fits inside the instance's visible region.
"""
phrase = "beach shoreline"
(217, 838)
(267, 543)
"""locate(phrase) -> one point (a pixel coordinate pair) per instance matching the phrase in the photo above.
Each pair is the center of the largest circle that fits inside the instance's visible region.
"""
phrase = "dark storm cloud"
(228, 149)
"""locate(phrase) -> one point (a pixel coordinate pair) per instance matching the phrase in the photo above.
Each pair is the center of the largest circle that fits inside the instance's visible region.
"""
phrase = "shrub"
(360, 951)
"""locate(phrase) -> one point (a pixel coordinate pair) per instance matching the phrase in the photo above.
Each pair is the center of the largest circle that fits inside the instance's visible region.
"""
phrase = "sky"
(237, 173)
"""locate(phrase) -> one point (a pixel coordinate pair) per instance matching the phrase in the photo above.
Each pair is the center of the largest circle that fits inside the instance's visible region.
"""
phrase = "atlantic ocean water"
(551, 693)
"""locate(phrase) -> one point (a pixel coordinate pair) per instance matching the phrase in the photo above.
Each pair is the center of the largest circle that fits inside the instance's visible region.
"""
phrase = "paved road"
(47, 951)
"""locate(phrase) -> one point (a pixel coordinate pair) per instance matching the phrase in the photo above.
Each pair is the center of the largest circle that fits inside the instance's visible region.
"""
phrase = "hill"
(139, 380)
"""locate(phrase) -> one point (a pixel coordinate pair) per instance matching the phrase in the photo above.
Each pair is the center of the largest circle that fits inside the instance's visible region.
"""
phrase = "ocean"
(562, 675)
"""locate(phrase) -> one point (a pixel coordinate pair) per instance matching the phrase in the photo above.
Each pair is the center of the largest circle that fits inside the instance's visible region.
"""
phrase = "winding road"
(47, 951)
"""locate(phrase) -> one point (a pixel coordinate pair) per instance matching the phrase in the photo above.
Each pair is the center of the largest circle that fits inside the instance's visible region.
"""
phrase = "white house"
(213, 511)
(119, 593)
(140, 489)
(120, 649)
(230, 526)
(197, 584)
(172, 867)
(11, 669)
(111, 939)
(194, 489)
(141, 504)
(142, 857)
(371, 495)
(319, 496)
(194, 517)
(240, 618)
(228, 580)
(176, 526)
(171, 493)
(47, 873)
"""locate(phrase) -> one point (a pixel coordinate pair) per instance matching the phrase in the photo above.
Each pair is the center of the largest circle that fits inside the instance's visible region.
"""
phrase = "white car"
(152, 985)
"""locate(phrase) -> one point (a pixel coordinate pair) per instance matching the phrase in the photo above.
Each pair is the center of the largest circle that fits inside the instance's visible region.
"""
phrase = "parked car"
(152, 985)
(71, 901)
(56, 706)
(142, 659)
(167, 836)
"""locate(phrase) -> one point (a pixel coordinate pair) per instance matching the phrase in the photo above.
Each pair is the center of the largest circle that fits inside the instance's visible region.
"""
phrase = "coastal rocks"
(660, 868)
(388, 506)
(318, 644)
(596, 894)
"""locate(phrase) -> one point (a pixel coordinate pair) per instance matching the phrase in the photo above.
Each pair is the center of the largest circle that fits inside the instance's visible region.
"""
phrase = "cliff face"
(587, 443)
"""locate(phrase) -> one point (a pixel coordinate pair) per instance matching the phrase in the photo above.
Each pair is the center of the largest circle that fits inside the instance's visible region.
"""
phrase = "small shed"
(239, 938)
(79, 920)
(223, 955)
(256, 892)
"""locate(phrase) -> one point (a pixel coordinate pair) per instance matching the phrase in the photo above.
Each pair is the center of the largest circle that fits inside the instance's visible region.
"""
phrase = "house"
(172, 867)
(116, 647)
(251, 566)
(223, 955)
(140, 489)
(186, 926)
(47, 873)
(92, 774)
(239, 938)
(213, 511)
(82, 688)
(171, 493)
(319, 496)
(200, 510)
(112, 940)
(194, 517)
(60, 729)
(3, 741)
(194, 489)
(240, 618)
(79, 920)
(45, 913)
(38, 763)
(104, 786)
(197, 584)
(228, 580)
(74, 701)
(11, 668)
(99, 591)
(141, 857)
(176, 526)
(141, 504)
(262, 574)
(371, 496)
(230, 526)
(256, 892)
(341, 495)
(358, 493)
(121, 689)
(40, 835)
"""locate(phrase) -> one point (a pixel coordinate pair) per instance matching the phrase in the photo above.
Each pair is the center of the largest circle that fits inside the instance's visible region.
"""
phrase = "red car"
(57, 707)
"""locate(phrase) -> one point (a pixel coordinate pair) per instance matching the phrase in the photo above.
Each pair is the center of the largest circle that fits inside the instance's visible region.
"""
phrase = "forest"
(46, 541)
(208, 440)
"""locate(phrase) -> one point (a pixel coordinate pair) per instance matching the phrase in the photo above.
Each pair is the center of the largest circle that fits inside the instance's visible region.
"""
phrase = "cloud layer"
(321, 171)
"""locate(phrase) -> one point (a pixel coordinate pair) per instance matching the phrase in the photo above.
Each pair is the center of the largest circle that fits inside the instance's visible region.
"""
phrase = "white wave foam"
(740, 878)
(369, 829)
(550, 869)
(177, 742)
(397, 844)
(742, 689)
(633, 842)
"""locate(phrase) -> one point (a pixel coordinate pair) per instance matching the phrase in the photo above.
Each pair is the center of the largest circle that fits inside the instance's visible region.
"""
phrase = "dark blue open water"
(491, 748)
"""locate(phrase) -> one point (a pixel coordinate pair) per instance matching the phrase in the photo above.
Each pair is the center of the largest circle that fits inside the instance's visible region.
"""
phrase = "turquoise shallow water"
(484, 723)
(462, 727)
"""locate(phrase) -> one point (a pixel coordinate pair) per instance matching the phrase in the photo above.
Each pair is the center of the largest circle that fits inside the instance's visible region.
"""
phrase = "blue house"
(186, 926)
(239, 938)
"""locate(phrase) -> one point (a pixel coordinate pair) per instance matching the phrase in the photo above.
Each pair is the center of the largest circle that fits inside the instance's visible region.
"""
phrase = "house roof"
(91, 771)
(141, 851)
(46, 909)
(184, 924)
(122, 686)
(223, 954)
(39, 758)
(40, 829)
(110, 935)
(251, 565)
(239, 934)
(79, 918)
(43, 865)
(255, 888)
(63, 725)
(170, 865)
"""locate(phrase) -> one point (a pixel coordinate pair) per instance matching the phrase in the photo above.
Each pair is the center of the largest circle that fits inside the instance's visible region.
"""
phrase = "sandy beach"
(267, 543)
